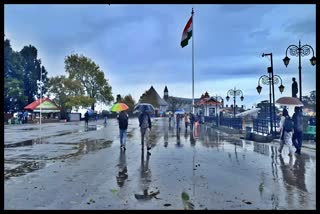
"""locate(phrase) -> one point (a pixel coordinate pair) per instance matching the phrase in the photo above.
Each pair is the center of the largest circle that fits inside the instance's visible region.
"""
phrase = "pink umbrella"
(289, 101)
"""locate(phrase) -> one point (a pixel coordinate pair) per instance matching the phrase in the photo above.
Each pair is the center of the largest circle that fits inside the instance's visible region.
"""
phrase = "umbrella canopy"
(289, 101)
(179, 112)
(169, 112)
(144, 107)
(90, 112)
(117, 107)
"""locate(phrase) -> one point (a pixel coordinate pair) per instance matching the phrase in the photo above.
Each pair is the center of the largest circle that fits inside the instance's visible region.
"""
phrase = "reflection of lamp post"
(218, 113)
(234, 93)
(268, 81)
(299, 51)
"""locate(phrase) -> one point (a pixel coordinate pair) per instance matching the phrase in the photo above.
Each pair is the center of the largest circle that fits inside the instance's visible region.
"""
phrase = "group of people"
(189, 119)
(144, 124)
(291, 130)
(23, 117)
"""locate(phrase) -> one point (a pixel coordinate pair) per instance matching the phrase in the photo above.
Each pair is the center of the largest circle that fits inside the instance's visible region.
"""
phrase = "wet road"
(70, 167)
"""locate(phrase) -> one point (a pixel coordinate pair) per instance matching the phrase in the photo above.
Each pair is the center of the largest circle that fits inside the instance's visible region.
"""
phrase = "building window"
(212, 111)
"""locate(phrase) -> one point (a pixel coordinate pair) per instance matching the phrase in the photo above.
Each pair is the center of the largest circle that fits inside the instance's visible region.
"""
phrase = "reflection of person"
(123, 171)
(166, 136)
(145, 178)
(298, 128)
(285, 135)
(294, 87)
(144, 124)
(294, 174)
(123, 125)
(170, 117)
(192, 140)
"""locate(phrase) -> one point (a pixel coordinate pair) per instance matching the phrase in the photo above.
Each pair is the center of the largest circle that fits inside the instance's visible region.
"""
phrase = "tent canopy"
(46, 105)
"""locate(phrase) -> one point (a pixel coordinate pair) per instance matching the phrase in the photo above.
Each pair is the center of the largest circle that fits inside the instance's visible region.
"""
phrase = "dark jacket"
(123, 120)
(298, 121)
(141, 116)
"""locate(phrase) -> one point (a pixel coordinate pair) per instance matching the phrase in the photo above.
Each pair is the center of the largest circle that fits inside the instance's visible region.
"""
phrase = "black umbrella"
(144, 107)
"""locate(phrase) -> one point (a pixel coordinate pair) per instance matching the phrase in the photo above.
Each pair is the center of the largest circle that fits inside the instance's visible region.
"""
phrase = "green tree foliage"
(130, 102)
(67, 93)
(21, 72)
(32, 71)
(92, 79)
(148, 98)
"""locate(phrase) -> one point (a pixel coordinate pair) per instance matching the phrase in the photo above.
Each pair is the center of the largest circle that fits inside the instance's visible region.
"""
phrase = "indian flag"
(187, 33)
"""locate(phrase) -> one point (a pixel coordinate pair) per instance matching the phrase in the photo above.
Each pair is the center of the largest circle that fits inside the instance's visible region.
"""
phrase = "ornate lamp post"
(234, 93)
(220, 100)
(268, 81)
(299, 51)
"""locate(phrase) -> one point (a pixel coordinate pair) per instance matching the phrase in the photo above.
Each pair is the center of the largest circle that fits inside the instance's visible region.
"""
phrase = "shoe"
(124, 148)
(149, 153)
(149, 148)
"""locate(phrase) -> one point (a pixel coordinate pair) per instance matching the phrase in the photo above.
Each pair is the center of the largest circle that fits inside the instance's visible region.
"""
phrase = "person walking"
(170, 117)
(186, 120)
(123, 125)
(192, 120)
(297, 129)
(105, 117)
(178, 122)
(144, 124)
(286, 128)
(86, 118)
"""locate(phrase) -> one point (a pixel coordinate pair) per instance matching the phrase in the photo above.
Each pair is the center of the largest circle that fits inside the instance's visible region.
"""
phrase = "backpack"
(288, 124)
(123, 121)
(145, 122)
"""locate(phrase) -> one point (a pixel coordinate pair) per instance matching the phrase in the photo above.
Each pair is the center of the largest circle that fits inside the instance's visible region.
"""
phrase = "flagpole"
(192, 62)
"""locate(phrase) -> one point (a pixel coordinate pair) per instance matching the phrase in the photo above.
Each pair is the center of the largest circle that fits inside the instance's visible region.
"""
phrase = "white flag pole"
(192, 13)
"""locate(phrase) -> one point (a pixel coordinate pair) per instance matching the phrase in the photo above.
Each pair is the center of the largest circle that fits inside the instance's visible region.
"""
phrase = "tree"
(32, 71)
(92, 79)
(148, 98)
(129, 101)
(14, 98)
(68, 93)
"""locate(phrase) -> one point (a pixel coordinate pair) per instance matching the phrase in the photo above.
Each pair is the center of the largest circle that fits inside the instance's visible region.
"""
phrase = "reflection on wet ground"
(205, 164)
(27, 163)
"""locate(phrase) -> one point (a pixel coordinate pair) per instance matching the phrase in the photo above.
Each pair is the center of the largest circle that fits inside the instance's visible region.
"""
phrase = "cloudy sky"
(139, 45)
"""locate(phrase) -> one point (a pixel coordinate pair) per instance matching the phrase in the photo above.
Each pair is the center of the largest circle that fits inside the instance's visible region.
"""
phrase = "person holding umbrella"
(123, 122)
(123, 126)
(144, 124)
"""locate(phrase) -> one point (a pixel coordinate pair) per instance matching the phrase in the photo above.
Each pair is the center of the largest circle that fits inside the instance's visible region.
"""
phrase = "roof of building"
(44, 103)
(153, 93)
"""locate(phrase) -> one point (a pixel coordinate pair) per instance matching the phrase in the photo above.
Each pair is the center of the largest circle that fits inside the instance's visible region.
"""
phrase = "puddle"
(23, 168)
(29, 129)
(26, 143)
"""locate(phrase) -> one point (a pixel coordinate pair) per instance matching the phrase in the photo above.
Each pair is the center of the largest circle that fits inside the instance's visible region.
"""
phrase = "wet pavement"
(68, 166)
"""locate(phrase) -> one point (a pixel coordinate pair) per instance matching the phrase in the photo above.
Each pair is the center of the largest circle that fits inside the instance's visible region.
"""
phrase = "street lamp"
(234, 93)
(268, 81)
(299, 51)
(220, 100)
